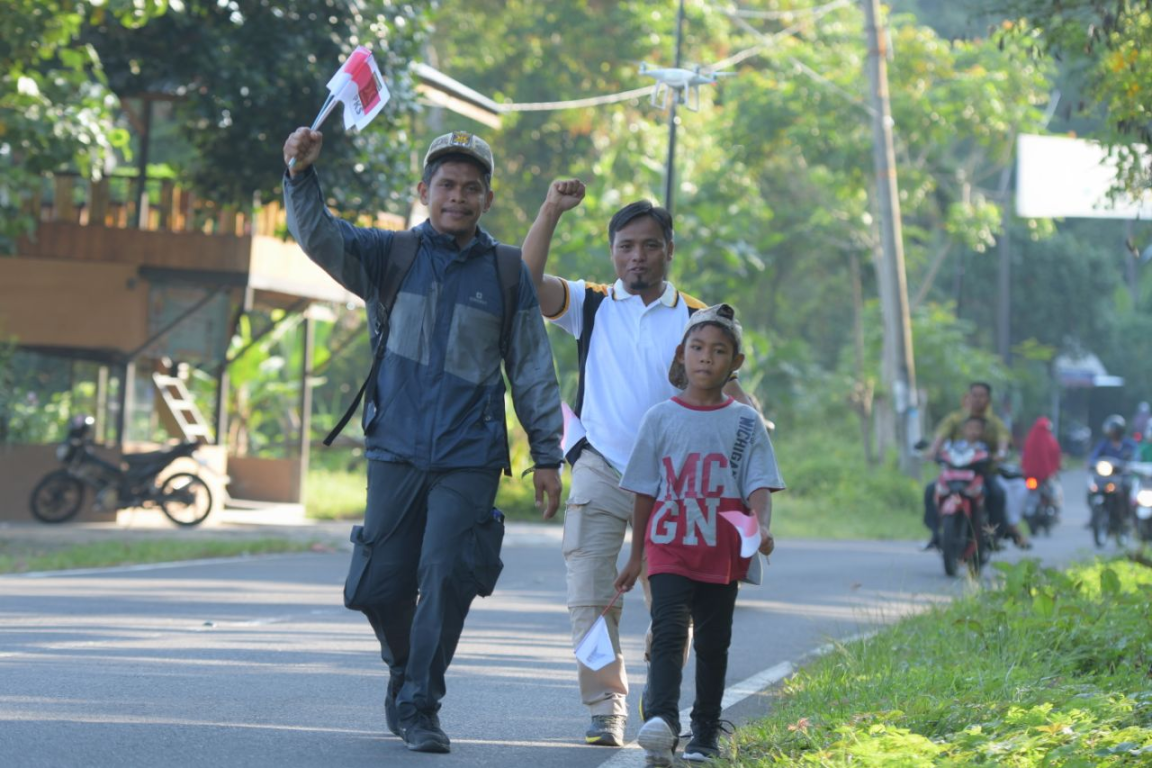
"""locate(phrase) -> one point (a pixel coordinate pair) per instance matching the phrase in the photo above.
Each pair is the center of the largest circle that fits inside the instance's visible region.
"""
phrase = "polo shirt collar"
(669, 298)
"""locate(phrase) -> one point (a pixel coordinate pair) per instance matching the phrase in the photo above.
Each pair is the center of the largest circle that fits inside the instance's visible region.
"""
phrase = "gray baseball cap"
(463, 143)
(720, 314)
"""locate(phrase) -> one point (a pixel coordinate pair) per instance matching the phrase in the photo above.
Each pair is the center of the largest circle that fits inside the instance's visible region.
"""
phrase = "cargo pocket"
(573, 524)
(483, 556)
(354, 585)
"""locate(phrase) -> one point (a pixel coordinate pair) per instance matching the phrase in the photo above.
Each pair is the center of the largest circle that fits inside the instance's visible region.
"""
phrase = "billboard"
(1058, 177)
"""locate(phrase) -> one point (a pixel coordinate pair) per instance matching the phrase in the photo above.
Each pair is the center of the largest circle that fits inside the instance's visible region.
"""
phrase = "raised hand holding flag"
(357, 85)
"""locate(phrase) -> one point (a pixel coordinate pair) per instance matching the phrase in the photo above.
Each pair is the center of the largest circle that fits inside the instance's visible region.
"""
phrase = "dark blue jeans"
(677, 603)
(413, 571)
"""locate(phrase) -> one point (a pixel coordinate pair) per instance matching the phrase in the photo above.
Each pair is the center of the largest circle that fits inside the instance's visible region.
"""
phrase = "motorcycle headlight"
(1103, 468)
(62, 451)
(1144, 498)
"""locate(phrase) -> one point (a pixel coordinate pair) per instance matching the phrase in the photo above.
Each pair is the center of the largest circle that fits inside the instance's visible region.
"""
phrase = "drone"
(685, 82)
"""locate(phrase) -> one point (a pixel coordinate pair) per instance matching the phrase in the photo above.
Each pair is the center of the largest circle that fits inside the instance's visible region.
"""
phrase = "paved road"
(255, 662)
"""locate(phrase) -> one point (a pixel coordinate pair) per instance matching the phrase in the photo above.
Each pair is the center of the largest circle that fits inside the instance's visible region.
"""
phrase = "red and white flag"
(359, 86)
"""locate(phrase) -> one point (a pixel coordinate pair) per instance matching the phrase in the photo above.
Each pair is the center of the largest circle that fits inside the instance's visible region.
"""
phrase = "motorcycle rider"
(1040, 459)
(1115, 444)
(977, 402)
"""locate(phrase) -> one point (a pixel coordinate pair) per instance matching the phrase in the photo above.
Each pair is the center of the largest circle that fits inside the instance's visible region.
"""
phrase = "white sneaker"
(658, 741)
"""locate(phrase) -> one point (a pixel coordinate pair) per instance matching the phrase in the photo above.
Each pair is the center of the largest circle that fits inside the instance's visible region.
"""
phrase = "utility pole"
(899, 365)
(1004, 282)
(670, 165)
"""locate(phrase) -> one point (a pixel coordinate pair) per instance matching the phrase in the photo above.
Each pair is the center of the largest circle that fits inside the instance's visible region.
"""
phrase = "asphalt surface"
(255, 662)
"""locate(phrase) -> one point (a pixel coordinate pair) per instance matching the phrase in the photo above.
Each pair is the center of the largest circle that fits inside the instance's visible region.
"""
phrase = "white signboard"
(1060, 177)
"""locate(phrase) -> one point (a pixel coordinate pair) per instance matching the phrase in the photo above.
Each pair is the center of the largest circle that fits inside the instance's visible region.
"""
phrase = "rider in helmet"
(1116, 444)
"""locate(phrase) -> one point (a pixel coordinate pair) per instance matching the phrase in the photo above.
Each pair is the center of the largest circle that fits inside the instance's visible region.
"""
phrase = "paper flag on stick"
(595, 651)
(749, 530)
(359, 86)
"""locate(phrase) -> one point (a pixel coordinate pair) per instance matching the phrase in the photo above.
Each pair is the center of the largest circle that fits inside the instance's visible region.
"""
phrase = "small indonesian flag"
(749, 530)
(360, 88)
(595, 651)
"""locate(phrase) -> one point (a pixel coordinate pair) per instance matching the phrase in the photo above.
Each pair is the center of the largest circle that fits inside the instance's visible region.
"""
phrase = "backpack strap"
(508, 273)
(401, 254)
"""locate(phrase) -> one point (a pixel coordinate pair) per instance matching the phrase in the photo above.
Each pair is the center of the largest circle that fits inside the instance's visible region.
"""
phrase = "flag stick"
(321, 116)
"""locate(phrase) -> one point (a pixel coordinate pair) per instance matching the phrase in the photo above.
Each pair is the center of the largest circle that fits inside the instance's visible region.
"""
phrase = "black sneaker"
(424, 735)
(391, 719)
(606, 731)
(705, 743)
(658, 741)
(933, 543)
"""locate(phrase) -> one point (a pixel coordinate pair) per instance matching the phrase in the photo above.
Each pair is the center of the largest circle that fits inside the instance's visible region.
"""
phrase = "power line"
(733, 10)
(594, 101)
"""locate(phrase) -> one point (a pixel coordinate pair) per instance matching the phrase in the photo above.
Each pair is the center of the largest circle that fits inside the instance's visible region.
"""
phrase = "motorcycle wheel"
(953, 540)
(185, 499)
(1099, 526)
(57, 498)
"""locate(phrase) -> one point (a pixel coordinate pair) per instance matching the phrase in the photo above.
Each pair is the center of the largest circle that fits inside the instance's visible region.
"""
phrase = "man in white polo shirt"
(626, 335)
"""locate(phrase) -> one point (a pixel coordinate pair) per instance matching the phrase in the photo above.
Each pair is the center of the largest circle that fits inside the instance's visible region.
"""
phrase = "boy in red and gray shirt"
(703, 471)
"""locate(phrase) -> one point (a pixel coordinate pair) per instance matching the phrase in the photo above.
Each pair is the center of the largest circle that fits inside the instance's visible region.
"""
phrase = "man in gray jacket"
(434, 426)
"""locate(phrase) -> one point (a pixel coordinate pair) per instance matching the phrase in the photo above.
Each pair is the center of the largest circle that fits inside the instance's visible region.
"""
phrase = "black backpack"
(401, 255)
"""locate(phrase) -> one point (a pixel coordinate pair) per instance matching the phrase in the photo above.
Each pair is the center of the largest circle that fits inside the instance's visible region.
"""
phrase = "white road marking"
(630, 756)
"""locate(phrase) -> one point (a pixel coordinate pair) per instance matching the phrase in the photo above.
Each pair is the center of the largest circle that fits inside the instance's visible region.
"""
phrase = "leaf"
(1109, 582)
(1043, 603)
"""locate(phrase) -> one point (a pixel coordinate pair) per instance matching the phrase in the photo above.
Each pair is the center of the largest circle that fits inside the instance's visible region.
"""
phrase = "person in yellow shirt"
(978, 403)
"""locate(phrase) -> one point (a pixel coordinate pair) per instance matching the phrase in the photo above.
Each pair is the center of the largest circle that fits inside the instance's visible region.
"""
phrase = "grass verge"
(1051, 669)
(832, 492)
(26, 557)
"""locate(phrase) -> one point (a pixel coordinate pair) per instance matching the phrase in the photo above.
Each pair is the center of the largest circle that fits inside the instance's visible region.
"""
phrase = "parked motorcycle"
(960, 502)
(1108, 500)
(183, 497)
(1042, 507)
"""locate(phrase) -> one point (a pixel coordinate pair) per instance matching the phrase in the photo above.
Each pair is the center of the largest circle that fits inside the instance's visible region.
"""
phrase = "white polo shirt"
(625, 351)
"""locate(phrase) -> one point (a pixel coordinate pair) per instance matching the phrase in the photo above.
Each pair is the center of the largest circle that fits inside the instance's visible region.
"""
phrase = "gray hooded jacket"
(439, 398)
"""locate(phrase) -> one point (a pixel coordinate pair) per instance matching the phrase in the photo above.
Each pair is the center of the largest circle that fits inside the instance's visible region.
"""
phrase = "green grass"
(1052, 669)
(23, 557)
(832, 493)
(336, 493)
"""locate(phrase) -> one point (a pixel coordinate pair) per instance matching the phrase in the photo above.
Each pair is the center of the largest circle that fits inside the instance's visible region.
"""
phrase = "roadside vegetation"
(833, 493)
(22, 556)
(1048, 669)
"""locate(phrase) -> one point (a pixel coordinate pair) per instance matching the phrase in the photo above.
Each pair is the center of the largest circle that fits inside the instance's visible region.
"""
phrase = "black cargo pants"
(429, 544)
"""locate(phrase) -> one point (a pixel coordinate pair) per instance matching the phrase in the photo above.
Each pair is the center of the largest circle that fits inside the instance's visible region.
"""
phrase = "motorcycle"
(1142, 501)
(184, 497)
(1042, 507)
(1108, 501)
(960, 502)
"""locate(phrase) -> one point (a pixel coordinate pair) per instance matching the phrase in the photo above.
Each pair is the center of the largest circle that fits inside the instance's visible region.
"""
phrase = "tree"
(1107, 39)
(248, 72)
(56, 111)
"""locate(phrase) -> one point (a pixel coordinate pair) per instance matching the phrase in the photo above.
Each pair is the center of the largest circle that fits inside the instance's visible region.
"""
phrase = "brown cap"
(720, 314)
(463, 143)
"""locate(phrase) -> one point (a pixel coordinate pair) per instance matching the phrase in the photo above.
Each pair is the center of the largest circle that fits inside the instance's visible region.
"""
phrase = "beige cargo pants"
(596, 518)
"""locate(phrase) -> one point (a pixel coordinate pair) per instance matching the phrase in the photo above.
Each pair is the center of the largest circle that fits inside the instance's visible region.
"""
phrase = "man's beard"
(639, 285)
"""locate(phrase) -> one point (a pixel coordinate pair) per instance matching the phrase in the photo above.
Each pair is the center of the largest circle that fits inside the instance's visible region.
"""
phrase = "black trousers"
(413, 571)
(677, 603)
(994, 501)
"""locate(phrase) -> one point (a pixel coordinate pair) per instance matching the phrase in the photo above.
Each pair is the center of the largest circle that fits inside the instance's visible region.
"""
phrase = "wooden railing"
(167, 207)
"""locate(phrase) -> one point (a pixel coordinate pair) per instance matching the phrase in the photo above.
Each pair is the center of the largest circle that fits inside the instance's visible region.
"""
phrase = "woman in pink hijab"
(1041, 463)
(1041, 458)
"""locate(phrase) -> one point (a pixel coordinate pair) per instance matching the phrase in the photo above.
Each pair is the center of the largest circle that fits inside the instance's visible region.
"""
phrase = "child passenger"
(702, 469)
(971, 433)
